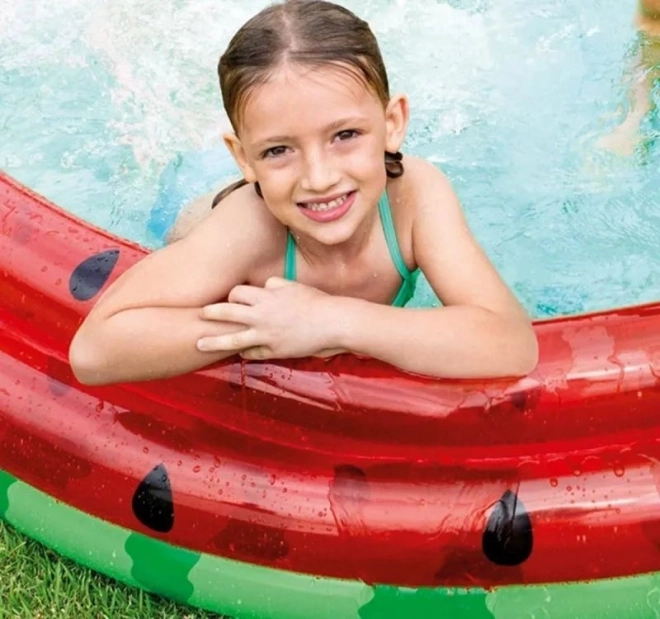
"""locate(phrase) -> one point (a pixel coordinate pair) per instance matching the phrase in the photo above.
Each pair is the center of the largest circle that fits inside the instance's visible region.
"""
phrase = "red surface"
(346, 468)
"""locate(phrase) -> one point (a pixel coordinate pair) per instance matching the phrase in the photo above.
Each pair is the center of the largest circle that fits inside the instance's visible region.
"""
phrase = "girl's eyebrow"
(342, 122)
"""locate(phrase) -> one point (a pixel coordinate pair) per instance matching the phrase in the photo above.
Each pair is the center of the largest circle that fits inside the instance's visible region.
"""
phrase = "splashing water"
(97, 99)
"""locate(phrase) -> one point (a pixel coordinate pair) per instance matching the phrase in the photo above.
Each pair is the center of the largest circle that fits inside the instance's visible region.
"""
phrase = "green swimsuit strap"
(290, 257)
(390, 236)
(409, 278)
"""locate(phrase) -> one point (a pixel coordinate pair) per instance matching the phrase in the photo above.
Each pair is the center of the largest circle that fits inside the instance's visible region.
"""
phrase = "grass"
(36, 583)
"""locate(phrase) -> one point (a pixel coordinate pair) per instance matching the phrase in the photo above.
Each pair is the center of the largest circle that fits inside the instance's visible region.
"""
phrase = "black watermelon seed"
(350, 472)
(152, 501)
(519, 400)
(526, 400)
(508, 539)
(350, 483)
(90, 275)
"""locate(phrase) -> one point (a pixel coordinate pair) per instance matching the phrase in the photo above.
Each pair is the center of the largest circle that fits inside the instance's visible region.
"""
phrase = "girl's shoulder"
(242, 220)
(422, 186)
(422, 180)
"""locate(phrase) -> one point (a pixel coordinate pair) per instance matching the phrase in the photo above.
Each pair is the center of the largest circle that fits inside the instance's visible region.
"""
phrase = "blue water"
(111, 108)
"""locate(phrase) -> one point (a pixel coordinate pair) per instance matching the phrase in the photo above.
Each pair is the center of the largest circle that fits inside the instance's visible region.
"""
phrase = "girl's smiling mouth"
(328, 209)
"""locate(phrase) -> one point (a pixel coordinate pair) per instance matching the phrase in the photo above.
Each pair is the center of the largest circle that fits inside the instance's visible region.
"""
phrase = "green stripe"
(246, 591)
(6, 481)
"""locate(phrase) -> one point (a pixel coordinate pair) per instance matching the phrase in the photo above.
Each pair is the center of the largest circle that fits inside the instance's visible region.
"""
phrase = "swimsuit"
(409, 278)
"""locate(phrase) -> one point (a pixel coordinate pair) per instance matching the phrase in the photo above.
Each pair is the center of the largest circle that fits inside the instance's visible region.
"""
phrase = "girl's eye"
(276, 151)
(347, 134)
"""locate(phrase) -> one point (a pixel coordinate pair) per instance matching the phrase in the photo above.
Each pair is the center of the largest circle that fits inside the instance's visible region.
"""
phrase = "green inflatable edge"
(246, 591)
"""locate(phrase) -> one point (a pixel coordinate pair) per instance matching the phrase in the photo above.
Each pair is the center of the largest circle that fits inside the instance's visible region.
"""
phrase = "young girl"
(317, 250)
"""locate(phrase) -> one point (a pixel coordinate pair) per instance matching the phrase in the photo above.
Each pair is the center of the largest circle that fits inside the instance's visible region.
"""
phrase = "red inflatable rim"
(344, 468)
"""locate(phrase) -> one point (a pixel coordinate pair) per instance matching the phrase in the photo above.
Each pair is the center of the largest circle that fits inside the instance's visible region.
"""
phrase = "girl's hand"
(330, 352)
(282, 320)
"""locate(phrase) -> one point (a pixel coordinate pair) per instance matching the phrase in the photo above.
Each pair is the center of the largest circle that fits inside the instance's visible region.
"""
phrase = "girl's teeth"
(326, 206)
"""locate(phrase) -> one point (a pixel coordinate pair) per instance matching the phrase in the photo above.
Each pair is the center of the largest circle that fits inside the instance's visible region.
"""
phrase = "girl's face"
(315, 141)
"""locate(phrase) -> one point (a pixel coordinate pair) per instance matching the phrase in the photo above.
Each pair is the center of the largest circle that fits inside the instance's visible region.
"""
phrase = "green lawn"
(35, 583)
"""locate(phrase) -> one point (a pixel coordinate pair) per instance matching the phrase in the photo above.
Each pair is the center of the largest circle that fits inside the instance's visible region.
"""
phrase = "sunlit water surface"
(112, 108)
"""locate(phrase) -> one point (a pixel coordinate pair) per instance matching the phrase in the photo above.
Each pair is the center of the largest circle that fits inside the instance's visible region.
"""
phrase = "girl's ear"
(397, 114)
(238, 153)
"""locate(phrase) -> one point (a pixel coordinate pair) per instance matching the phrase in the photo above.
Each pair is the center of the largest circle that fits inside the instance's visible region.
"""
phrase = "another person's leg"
(644, 71)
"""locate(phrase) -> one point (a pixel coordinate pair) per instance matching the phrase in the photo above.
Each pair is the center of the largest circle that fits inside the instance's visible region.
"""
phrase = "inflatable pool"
(338, 489)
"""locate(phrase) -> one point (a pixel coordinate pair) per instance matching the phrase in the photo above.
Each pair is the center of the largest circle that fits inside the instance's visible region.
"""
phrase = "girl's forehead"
(303, 91)
(338, 74)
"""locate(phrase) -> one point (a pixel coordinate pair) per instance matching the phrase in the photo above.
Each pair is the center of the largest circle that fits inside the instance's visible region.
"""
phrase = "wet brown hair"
(310, 33)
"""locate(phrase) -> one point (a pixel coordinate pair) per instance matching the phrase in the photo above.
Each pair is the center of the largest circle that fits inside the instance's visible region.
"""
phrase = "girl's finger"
(246, 295)
(278, 282)
(230, 342)
(227, 312)
(256, 353)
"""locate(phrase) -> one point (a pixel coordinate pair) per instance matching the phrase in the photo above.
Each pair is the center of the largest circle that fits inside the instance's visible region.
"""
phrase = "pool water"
(111, 108)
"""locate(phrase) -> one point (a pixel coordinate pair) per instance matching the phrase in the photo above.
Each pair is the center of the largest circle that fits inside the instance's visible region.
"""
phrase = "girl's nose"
(319, 174)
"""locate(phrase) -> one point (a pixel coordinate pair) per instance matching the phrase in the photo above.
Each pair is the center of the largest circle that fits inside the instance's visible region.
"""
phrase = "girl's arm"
(146, 325)
(463, 341)
(482, 330)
